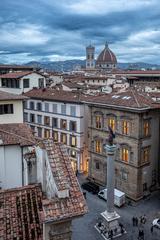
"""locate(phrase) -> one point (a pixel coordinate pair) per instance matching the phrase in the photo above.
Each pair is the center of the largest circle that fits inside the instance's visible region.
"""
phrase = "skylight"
(115, 96)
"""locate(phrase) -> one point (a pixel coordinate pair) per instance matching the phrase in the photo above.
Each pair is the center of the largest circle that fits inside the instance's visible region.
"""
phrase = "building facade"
(136, 124)
(60, 115)
(19, 82)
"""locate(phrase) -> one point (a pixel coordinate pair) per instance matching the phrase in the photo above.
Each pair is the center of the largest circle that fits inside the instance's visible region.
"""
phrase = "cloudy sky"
(40, 30)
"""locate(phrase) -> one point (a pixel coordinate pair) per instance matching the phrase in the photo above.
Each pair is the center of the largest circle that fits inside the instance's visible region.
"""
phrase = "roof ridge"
(135, 98)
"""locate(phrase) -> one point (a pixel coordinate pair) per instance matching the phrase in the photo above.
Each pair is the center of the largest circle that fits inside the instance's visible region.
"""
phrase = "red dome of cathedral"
(106, 57)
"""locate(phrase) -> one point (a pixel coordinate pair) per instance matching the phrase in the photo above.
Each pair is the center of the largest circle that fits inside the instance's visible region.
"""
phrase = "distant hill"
(70, 65)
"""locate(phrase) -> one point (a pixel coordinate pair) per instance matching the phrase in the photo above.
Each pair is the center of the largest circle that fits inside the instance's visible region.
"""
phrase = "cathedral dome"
(106, 58)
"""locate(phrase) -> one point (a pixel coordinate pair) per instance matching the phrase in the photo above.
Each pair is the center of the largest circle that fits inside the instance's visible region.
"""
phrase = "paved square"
(83, 228)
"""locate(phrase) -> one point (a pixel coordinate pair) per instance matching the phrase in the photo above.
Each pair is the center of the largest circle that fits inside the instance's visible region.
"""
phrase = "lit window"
(125, 155)
(98, 146)
(55, 136)
(98, 122)
(73, 141)
(146, 128)
(111, 123)
(46, 120)
(64, 138)
(73, 153)
(46, 133)
(125, 127)
(63, 124)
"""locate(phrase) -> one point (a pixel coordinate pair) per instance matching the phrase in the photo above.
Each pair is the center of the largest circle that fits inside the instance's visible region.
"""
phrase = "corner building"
(135, 120)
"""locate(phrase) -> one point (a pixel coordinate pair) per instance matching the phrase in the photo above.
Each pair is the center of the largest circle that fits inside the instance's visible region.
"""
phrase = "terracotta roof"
(15, 75)
(106, 56)
(61, 208)
(151, 72)
(21, 213)
(53, 95)
(127, 99)
(10, 96)
(16, 134)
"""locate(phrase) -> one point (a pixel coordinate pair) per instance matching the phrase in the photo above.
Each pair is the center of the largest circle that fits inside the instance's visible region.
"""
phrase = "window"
(6, 109)
(55, 136)
(97, 165)
(73, 140)
(145, 158)
(73, 111)
(63, 109)
(26, 117)
(125, 154)
(144, 187)
(32, 118)
(46, 133)
(31, 105)
(73, 126)
(39, 106)
(73, 153)
(46, 107)
(39, 132)
(125, 127)
(10, 83)
(146, 128)
(25, 104)
(26, 83)
(46, 120)
(54, 122)
(54, 107)
(111, 123)
(98, 146)
(63, 124)
(39, 119)
(32, 128)
(64, 138)
(41, 82)
(124, 175)
(98, 122)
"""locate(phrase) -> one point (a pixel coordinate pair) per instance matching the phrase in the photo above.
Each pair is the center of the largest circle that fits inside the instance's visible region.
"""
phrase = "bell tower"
(90, 61)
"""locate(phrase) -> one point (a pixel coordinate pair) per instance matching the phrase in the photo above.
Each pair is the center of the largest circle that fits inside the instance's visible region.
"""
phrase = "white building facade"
(20, 82)
(65, 122)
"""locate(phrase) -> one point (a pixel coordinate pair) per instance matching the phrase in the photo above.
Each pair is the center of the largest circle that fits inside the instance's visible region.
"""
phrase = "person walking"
(152, 229)
(136, 222)
(133, 221)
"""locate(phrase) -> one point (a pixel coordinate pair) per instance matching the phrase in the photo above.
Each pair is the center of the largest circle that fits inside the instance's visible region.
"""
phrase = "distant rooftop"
(10, 96)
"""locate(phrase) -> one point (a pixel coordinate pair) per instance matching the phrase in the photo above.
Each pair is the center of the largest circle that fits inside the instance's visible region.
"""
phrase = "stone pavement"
(83, 228)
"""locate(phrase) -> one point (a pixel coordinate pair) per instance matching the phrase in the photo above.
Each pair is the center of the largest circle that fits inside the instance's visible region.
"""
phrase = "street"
(83, 228)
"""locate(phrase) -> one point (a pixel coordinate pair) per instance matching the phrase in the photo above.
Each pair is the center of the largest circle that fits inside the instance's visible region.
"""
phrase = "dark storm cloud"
(39, 29)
